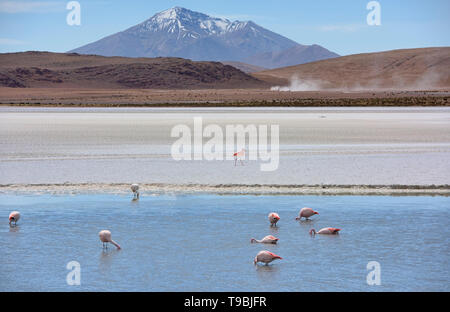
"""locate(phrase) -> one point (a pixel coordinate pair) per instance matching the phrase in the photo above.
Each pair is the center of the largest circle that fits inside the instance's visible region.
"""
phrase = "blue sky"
(340, 26)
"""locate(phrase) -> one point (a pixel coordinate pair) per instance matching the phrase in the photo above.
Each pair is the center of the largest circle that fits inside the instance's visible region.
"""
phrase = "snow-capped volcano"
(180, 32)
(186, 23)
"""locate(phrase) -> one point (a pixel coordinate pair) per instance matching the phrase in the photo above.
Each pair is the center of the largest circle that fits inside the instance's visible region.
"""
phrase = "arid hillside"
(411, 69)
(71, 70)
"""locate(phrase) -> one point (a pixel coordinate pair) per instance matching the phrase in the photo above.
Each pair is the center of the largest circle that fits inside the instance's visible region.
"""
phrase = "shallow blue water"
(202, 243)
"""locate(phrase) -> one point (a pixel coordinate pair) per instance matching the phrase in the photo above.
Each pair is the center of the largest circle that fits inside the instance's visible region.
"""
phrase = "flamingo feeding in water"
(105, 238)
(14, 217)
(135, 189)
(273, 218)
(239, 155)
(328, 230)
(269, 239)
(306, 213)
(266, 257)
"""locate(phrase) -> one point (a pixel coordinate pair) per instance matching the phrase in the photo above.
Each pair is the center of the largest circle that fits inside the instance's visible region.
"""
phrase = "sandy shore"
(155, 189)
(330, 146)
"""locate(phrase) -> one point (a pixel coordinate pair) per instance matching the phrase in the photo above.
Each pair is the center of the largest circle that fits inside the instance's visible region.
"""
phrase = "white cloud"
(8, 41)
(30, 6)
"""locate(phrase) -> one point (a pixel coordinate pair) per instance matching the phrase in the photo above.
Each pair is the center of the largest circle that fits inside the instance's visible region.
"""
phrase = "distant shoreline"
(81, 97)
(338, 102)
(230, 189)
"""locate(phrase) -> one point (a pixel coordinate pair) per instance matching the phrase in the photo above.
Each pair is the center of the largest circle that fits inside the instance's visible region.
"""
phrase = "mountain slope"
(45, 69)
(296, 55)
(178, 32)
(409, 69)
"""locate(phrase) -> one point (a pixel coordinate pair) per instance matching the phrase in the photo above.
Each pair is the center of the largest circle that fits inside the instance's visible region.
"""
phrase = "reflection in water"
(267, 272)
(106, 258)
(274, 230)
(14, 228)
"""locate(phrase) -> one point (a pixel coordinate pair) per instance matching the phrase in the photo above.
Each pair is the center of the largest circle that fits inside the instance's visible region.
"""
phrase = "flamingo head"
(312, 232)
(252, 240)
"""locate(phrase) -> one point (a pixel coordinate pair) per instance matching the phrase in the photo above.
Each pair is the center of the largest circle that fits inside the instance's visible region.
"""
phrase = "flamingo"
(105, 238)
(306, 213)
(328, 230)
(269, 239)
(239, 155)
(266, 257)
(135, 189)
(273, 218)
(14, 217)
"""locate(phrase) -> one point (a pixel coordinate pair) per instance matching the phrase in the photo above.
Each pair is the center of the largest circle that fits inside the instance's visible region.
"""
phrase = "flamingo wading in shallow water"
(239, 155)
(306, 213)
(328, 230)
(105, 238)
(266, 257)
(269, 239)
(135, 190)
(14, 217)
(273, 218)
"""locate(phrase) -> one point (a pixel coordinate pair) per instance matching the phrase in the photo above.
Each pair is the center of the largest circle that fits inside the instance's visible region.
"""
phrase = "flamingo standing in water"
(328, 230)
(239, 155)
(135, 190)
(266, 257)
(105, 238)
(14, 217)
(306, 213)
(269, 239)
(273, 218)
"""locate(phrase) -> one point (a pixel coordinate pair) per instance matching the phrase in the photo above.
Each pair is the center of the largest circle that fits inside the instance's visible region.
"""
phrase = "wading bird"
(105, 238)
(328, 230)
(269, 239)
(14, 217)
(266, 257)
(135, 190)
(306, 213)
(273, 218)
(239, 155)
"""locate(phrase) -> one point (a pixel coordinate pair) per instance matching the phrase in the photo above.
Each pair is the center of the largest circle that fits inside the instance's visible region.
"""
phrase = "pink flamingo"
(14, 217)
(306, 213)
(105, 238)
(328, 230)
(239, 155)
(266, 257)
(273, 218)
(269, 239)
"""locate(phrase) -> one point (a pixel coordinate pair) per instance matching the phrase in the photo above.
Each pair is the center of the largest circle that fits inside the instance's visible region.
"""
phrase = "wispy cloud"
(30, 6)
(9, 41)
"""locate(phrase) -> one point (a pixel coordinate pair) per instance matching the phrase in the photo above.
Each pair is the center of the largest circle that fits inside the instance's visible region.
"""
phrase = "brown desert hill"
(409, 69)
(246, 68)
(71, 70)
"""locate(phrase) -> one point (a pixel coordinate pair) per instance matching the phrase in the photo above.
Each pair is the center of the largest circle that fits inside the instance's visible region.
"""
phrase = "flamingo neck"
(115, 244)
